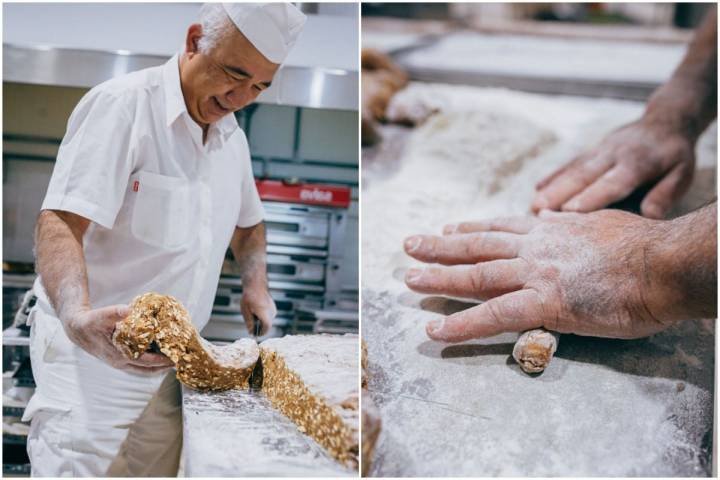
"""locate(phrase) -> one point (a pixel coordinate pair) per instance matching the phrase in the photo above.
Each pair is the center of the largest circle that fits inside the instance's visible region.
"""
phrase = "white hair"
(216, 25)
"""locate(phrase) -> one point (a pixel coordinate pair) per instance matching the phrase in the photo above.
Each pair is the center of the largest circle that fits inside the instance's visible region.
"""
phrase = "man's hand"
(658, 147)
(607, 274)
(248, 246)
(257, 303)
(92, 331)
(635, 155)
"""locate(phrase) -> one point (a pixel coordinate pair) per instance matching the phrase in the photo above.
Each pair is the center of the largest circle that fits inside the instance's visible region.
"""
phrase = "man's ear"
(194, 34)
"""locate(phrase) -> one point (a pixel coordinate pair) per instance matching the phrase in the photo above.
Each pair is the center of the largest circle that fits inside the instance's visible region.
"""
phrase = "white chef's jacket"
(163, 205)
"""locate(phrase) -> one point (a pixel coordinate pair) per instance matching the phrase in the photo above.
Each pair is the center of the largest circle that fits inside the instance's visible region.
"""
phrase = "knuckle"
(495, 314)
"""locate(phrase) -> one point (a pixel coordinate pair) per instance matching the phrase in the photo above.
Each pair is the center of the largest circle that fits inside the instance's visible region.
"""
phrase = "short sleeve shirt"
(163, 205)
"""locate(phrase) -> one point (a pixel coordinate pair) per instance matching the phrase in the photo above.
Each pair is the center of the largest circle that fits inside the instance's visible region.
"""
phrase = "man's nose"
(239, 96)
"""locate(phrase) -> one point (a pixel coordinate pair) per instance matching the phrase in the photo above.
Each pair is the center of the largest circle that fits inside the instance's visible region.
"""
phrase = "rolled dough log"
(162, 320)
(381, 78)
(313, 380)
(535, 348)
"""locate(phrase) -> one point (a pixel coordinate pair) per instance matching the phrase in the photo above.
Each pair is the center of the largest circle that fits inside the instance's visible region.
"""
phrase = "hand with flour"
(607, 274)
(626, 159)
(92, 331)
(657, 149)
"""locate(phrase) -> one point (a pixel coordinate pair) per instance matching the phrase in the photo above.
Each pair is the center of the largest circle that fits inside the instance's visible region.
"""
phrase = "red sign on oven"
(307, 193)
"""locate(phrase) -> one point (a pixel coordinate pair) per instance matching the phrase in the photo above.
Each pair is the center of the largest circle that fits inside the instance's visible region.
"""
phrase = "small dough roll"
(534, 349)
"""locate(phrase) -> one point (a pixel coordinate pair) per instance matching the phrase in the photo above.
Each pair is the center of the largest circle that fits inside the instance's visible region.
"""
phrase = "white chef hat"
(273, 28)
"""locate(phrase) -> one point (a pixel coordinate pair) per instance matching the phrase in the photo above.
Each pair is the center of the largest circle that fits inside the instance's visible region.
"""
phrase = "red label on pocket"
(136, 185)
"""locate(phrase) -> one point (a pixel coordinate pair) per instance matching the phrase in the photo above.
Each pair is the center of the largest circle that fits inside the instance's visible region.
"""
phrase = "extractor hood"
(76, 45)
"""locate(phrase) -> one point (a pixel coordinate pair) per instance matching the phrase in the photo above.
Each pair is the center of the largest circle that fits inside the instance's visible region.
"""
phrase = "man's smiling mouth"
(219, 105)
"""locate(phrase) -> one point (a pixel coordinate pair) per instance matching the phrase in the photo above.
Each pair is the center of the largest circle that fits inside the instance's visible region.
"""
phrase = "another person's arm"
(607, 273)
(657, 147)
(61, 265)
(248, 246)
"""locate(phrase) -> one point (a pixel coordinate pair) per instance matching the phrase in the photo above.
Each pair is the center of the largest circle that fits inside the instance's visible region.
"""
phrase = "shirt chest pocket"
(161, 215)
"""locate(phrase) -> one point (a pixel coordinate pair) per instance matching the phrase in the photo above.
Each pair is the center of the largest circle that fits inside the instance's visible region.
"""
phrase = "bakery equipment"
(305, 228)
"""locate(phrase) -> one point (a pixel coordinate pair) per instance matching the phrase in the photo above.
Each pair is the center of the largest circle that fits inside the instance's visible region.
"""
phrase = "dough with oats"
(162, 321)
(313, 380)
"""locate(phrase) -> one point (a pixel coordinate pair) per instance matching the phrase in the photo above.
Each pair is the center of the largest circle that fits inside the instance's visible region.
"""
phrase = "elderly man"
(153, 181)
(607, 273)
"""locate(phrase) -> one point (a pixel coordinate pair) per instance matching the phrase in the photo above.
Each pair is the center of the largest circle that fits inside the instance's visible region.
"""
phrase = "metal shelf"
(14, 439)
(13, 411)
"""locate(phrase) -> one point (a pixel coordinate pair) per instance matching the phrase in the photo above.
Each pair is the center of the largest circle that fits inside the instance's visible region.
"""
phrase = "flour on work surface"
(239, 433)
(603, 407)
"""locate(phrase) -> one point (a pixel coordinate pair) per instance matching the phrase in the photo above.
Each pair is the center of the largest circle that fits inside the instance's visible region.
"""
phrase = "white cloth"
(273, 28)
(164, 208)
(164, 205)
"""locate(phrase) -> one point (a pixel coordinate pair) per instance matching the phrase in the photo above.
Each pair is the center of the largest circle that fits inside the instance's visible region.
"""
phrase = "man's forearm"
(60, 261)
(248, 246)
(685, 250)
(688, 101)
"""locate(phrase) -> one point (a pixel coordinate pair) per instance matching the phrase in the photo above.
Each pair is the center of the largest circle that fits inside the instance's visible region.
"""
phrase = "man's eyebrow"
(238, 71)
(241, 72)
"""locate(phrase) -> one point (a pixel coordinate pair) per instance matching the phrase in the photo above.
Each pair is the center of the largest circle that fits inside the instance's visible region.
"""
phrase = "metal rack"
(305, 251)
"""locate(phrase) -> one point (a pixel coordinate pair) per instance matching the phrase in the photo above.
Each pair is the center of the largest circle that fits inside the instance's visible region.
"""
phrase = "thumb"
(112, 314)
(659, 200)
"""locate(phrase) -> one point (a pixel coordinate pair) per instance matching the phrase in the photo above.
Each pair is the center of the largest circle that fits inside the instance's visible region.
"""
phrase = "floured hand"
(590, 274)
(630, 157)
(257, 303)
(92, 331)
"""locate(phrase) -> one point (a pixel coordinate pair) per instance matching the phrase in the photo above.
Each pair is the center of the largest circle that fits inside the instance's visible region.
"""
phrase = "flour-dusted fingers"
(144, 371)
(517, 225)
(549, 178)
(152, 360)
(614, 185)
(573, 180)
(535, 348)
(480, 281)
(514, 312)
(462, 248)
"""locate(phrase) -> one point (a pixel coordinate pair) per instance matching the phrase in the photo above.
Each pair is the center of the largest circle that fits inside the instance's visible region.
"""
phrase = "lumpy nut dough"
(312, 379)
(201, 365)
(534, 349)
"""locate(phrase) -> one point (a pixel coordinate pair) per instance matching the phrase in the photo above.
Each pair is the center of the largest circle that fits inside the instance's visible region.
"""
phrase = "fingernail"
(434, 326)
(413, 275)
(653, 211)
(412, 244)
(450, 229)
